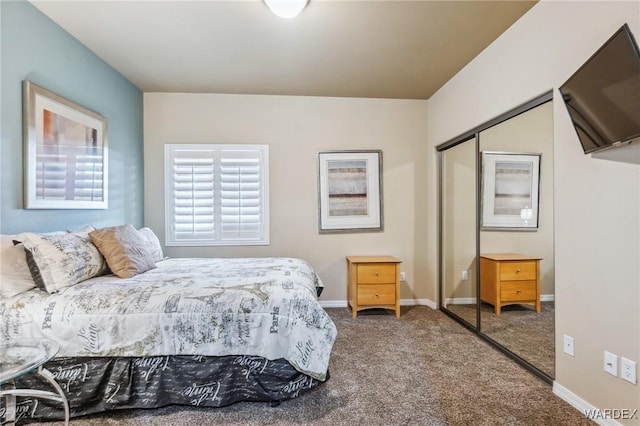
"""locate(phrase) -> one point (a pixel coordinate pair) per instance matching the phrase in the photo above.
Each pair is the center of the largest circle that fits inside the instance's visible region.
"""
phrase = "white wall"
(296, 129)
(597, 197)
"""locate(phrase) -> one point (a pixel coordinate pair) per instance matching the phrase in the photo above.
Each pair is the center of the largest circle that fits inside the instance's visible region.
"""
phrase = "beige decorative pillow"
(15, 277)
(153, 243)
(125, 249)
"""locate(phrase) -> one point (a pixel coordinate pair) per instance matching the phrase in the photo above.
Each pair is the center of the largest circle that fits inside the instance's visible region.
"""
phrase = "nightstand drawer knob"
(517, 270)
(377, 274)
(518, 291)
(377, 295)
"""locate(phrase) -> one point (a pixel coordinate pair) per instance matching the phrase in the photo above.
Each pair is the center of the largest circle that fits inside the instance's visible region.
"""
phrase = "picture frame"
(510, 191)
(350, 191)
(65, 152)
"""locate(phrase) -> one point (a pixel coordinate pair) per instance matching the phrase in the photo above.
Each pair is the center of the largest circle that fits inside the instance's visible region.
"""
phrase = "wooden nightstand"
(373, 282)
(509, 278)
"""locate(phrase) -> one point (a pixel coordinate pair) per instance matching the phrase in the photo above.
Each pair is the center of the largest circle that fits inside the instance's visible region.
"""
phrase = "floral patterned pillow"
(59, 259)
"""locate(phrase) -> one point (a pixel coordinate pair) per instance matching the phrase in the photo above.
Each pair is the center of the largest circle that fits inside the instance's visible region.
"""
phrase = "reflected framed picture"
(510, 191)
(350, 191)
(65, 152)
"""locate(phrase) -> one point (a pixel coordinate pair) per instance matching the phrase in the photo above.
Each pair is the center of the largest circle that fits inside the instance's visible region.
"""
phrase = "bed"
(205, 332)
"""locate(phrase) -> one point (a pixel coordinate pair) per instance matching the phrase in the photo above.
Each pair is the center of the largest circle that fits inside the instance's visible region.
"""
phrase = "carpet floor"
(421, 369)
(518, 328)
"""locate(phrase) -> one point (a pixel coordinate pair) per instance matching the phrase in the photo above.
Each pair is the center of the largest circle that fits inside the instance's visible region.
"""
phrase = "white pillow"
(15, 277)
(153, 243)
(58, 260)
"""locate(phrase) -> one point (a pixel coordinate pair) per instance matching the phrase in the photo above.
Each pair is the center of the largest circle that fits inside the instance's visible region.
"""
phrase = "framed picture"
(510, 191)
(65, 153)
(350, 191)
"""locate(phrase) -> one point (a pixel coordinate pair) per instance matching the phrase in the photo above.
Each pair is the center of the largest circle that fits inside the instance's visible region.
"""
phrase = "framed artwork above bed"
(65, 149)
(350, 191)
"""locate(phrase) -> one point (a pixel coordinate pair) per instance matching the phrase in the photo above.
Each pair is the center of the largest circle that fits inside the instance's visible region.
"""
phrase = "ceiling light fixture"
(286, 8)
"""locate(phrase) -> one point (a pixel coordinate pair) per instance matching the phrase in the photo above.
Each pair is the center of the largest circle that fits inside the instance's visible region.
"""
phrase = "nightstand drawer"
(512, 271)
(376, 273)
(518, 290)
(377, 294)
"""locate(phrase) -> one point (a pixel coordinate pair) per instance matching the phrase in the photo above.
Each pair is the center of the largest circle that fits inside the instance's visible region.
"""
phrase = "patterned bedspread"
(251, 306)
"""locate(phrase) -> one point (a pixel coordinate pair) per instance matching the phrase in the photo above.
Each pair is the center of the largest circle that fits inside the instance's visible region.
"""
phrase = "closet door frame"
(474, 135)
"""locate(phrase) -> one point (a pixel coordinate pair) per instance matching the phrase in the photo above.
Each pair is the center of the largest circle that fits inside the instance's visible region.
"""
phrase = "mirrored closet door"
(496, 233)
(458, 231)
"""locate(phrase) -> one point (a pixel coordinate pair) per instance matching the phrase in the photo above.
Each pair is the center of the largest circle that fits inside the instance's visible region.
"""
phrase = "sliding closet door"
(519, 152)
(458, 231)
(496, 209)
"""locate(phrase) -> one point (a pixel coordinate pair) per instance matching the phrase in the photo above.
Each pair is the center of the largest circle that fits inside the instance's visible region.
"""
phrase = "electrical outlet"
(465, 275)
(403, 277)
(568, 345)
(611, 363)
(628, 370)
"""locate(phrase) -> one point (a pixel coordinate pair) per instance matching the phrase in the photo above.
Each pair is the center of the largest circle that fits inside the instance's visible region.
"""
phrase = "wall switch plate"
(402, 276)
(628, 370)
(568, 345)
(611, 363)
(464, 275)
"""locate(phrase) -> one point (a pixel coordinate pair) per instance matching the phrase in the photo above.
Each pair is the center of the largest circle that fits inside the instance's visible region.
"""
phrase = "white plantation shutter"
(51, 177)
(88, 177)
(193, 195)
(69, 176)
(240, 193)
(216, 194)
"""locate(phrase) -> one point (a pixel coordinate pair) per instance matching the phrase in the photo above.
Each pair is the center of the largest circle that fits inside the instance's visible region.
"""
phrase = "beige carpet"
(520, 329)
(421, 369)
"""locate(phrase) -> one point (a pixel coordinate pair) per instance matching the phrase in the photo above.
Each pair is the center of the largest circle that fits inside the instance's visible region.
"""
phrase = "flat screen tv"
(603, 95)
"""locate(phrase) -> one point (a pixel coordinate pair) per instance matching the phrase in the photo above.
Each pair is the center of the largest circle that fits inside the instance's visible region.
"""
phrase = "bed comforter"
(262, 307)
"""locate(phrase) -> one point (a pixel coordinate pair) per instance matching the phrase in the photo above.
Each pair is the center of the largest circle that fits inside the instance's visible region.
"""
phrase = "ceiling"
(374, 49)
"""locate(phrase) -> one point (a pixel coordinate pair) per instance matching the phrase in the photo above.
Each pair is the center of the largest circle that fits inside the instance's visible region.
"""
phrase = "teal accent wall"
(35, 48)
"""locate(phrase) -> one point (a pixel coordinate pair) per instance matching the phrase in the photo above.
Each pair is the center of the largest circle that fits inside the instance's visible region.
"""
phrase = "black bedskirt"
(94, 385)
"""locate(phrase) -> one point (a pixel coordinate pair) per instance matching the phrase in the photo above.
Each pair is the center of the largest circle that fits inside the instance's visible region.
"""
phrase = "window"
(216, 195)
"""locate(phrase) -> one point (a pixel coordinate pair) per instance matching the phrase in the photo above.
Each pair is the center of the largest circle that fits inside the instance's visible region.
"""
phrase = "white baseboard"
(333, 303)
(460, 301)
(548, 297)
(403, 302)
(419, 302)
(426, 302)
(601, 417)
(472, 300)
